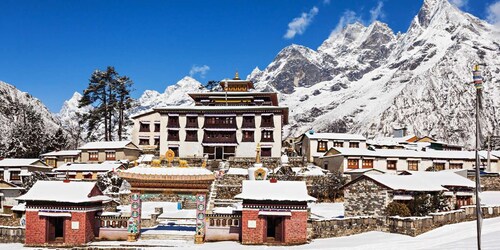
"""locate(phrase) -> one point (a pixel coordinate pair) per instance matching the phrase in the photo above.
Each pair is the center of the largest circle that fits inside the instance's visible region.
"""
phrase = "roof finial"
(236, 76)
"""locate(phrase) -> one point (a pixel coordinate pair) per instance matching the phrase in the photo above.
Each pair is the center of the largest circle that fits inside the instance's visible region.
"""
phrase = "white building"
(314, 145)
(12, 169)
(392, 160)
(220, 125)
(58, 158)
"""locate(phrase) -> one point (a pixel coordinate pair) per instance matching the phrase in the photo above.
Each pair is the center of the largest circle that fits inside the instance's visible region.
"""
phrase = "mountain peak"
(432, 8)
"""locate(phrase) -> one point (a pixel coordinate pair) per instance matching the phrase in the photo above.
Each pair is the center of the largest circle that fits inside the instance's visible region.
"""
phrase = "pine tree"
(109, 94)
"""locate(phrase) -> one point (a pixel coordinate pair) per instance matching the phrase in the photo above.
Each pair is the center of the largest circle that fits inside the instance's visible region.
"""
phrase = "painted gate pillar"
(200, 218)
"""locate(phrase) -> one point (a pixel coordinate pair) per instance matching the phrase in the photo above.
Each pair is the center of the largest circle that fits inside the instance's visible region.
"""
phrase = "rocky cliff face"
(367, 80)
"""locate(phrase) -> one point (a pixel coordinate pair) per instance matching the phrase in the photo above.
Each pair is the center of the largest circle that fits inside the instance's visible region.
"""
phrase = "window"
(93, 156)
(157, 127)
(51, 162)
(325, 165)
(211, 222)
(354, 144)
(69, 159)
(391, 164)
(87, 176)
(267, 121)
(191, 135)
(352, 163)
(338, 144)
(2, 175)
(192, 122)
(173, 135)
(413, 165)
(144, 127)
(248, 122)
(267, 136)
(143, 141)
(367, 163)
(157, 141)
(110, 155)
(322, 146)
(247, 136)
(14, 175)
(438, 166)
(265, 152)
(176, 150)
(456, 165)
(173, 122)
(236, 223)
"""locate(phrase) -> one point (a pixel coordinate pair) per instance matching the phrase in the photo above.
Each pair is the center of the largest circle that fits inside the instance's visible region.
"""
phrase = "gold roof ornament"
(183, 164)
(257, 156)
(236, 76)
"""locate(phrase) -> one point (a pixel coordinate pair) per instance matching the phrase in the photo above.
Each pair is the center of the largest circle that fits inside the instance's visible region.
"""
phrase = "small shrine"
(163, 177)
(62, 213)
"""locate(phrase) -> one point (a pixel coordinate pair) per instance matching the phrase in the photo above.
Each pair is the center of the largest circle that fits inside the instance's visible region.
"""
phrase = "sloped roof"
(20, 162)
(59, 191)
(109, 145)
(405, 153)
(63, 153)
(17, 162)
(103, 167)
(417, 183)
(279, 191)
(335, 136)
(444, 178)
(168, 170)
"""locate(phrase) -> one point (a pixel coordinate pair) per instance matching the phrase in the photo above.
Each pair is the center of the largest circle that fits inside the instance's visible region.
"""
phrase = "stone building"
(370, 194)
(97, 152)
(8, 194)
(274, 212)
(62, 213)
(223, 124)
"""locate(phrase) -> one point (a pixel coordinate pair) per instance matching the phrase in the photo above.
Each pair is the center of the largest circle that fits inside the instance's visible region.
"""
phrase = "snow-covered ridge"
(367, 80)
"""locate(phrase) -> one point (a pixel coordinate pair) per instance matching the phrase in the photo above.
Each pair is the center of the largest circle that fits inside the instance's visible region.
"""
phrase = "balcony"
(219, 137)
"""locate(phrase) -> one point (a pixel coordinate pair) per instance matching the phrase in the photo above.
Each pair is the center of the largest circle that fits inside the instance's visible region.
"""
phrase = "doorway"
(274, 231)
(56, 229)
(219, 152)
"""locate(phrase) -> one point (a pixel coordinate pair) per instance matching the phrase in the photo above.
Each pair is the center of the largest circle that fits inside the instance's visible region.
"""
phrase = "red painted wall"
(37, 226)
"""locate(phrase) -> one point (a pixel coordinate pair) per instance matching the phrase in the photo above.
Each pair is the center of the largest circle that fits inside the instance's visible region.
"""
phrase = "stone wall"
(345, 226)
(365, 197)
(10, 220)
(12, 234)
(411, 226)
(489, 183)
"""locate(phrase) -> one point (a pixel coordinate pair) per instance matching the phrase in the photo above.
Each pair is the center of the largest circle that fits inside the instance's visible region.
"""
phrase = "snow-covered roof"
(145, 158)
(444, 178)
(103, 167)
(60, 191)
(309, 171)
(7, 185)
(335, 136)
(18, 162)
(108, 145)
(63, 153)
(237, 171)
(406, 182)
(168, 170)
(404, 153)
(279, 191)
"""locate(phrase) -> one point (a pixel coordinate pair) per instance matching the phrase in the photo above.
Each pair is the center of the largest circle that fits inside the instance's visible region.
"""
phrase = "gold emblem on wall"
(170, 155)
(259, 174)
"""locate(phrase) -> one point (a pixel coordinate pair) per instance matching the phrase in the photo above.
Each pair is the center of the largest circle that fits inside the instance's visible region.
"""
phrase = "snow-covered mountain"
(11, 100)
(173, 95)
(367, 79)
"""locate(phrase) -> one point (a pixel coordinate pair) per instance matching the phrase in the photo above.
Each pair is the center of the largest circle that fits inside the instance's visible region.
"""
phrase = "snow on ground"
(326, 211)
(169, 210)
(490, 198)
(450, 237)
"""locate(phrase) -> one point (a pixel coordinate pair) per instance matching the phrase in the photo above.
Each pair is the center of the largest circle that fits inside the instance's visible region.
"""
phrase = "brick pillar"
(252, 236)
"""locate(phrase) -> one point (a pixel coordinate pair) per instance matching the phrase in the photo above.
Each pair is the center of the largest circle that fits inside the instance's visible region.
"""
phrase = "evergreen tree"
(29, 138)
(57, 141)
(109, 94)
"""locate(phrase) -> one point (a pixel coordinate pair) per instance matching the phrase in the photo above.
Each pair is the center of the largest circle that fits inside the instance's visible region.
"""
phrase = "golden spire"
(236, 76)
(257, 156)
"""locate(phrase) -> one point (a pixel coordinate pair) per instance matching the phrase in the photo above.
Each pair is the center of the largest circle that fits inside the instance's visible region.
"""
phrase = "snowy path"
(451, 237)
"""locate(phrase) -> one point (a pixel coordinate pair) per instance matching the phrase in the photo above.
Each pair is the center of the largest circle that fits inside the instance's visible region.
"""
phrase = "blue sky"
(50, 48)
